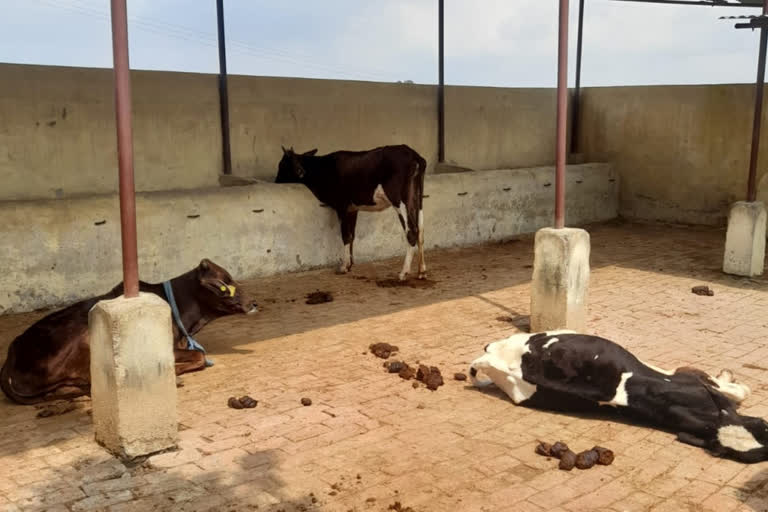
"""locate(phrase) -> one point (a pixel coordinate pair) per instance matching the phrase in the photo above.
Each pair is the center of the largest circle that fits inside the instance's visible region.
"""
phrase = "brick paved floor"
(371, 439)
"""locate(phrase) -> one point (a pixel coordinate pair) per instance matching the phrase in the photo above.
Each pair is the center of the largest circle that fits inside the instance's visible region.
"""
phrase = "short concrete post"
(745, 239)
(133, 382)
(560, 280)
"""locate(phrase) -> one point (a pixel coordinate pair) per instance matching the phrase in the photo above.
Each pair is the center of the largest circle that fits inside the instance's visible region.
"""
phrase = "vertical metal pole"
(577, 92)
(223, 92)
(122, 74)
(562, 115)
(441, 87)
(760, 85)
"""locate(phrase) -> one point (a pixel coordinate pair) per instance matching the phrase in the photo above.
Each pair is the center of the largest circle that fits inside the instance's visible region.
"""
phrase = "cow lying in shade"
(353, 181)
(51, 359)
(564, 371)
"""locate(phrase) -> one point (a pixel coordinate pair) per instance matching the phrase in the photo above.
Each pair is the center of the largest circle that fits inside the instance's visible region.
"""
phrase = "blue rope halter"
(192, 344)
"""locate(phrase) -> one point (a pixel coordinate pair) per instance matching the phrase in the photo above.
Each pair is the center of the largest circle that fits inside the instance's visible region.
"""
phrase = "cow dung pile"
(244, 402)
(398, 507)
(383, 350)
(429, 375)
(319, 297)
(702, 290)
(569, 459)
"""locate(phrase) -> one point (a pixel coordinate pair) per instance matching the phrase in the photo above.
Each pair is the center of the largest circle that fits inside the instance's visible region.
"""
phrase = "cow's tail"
(421, 171)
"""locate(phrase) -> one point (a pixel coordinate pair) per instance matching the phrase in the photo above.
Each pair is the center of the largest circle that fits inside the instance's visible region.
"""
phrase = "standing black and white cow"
(563, 370)
(353, 181)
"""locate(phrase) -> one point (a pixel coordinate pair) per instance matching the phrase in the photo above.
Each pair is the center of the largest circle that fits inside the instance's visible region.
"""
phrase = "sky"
(503, 43)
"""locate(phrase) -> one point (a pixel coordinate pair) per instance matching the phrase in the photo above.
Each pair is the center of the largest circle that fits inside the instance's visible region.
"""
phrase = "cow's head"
(290, 169)
(218, 292)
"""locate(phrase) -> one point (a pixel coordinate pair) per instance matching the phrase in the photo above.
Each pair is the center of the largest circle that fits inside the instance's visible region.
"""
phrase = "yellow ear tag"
(223, 288)
(231, 290)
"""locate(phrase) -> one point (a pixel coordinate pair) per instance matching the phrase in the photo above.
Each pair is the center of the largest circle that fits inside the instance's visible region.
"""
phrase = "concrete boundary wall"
(59, 251)
(57, 126)
(682, 151)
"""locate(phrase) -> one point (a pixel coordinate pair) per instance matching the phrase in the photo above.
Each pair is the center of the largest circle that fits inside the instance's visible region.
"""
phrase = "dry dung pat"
(430, 376)
(604, 455)
(567, 460)
(383, 350)
(586, 459)
(248, 402)
(395, 366)
(558, 449)
(406, 372)
(702, 290)
(544, 449)
(306, 402)
(460, 376)
(244, 402)
(319, 297)
(397, 507)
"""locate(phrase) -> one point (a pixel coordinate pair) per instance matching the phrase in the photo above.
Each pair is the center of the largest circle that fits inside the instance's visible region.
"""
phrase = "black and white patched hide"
(370, 181)
(567, 371)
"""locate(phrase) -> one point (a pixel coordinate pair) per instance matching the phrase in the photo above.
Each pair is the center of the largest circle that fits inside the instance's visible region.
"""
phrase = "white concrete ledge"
(58, 251)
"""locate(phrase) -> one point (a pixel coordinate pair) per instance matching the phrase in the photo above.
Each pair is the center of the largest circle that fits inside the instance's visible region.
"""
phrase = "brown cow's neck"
(185, 291)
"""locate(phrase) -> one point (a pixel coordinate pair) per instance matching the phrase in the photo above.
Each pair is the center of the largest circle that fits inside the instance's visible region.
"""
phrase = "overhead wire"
(210, 40)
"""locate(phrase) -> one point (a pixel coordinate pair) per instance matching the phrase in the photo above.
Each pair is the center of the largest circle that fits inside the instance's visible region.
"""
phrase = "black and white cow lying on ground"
(566, 371)
(353, 181)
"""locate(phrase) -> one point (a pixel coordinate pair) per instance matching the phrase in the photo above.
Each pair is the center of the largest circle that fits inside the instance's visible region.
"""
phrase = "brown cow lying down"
(51, 359)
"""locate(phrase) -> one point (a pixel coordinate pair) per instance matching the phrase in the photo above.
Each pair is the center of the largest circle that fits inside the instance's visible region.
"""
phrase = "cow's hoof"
(422, 275)
(342, 270)
(725, 376)
(402, 277)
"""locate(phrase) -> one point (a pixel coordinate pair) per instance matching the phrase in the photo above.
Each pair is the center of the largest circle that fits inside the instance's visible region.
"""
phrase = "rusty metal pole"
(440, 86)
(122, 74)
(562, 116)
(223, 90)
(759, 87)
(577, 90)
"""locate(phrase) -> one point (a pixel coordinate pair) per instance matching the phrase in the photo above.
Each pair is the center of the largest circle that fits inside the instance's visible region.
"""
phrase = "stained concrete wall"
(59, 251)
(682, 151)
(57, 130)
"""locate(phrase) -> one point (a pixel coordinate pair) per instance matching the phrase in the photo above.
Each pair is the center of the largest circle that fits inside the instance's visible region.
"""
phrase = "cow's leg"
(348, 222)
(411, 236)
(724, 383)
(413, 206)
(188, 360)
(422, 262)
(728, 386)
(735, 391)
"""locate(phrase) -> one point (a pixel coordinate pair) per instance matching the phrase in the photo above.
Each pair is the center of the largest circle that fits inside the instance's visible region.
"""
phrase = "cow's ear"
(205, 265)
(311, 153)
(283, 148)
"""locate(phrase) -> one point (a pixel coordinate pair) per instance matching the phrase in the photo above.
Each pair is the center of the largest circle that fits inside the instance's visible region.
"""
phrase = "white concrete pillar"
(560, 280)
(133, 379)
(745, 239)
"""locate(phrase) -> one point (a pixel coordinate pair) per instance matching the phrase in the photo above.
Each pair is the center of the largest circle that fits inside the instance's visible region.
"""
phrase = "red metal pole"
(759, 87)
(562, 116)
(125, 148)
